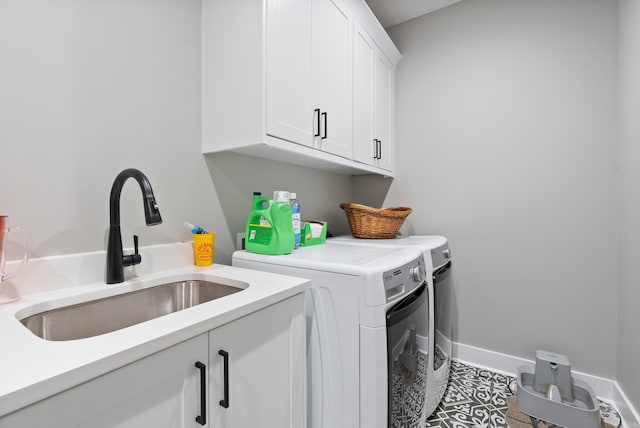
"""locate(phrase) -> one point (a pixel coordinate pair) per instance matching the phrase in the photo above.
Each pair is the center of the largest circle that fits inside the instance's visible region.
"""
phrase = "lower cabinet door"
(257, 369)
(163, 390)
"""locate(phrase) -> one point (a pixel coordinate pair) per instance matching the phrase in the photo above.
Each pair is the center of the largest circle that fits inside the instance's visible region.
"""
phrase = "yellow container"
(203, 246)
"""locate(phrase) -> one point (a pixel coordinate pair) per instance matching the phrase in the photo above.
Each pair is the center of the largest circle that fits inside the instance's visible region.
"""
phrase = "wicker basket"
(375, 223)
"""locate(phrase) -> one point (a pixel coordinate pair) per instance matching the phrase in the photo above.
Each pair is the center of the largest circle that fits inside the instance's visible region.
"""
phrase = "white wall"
(90, 87)
(505, 130)
(629, 229)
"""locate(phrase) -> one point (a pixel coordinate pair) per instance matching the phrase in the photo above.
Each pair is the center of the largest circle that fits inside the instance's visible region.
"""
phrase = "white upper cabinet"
(308, 74)
(364, 146)
(373, 76)
(382, 111)
(279, 81)
(289, 70)
(333, 48)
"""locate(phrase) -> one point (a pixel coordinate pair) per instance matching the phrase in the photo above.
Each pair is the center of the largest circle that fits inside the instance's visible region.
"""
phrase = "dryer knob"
(446, 253)
(417, 274)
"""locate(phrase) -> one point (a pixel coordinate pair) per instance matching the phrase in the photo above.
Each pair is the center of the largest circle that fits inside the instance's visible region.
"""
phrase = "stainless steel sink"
(105, 315)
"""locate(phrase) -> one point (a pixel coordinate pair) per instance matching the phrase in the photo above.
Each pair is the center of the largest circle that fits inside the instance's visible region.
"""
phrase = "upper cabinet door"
(289, 75)
(372, 103)
(364, 146)
(382, 114)
(334, 29)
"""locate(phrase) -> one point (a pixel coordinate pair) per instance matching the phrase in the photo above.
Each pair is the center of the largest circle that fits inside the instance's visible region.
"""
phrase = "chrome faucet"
(116, 261)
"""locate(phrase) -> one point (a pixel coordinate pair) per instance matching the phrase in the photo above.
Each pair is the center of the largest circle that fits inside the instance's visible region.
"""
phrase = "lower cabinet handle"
(225, 355)
(324, 115)
(202, 419)
(316, 113)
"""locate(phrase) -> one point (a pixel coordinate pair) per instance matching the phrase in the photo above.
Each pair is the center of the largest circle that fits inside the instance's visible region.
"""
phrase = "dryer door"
(442, 290)
(407, 359)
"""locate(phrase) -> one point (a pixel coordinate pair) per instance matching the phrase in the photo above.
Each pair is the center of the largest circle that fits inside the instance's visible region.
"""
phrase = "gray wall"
(90, 87)
(505, 130)
(629, 229)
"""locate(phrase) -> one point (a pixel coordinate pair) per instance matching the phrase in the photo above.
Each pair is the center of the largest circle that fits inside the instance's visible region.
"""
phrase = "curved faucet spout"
(151, 212)
(115, 259)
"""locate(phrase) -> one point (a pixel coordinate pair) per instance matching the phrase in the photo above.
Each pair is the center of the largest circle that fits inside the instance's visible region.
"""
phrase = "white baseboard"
(606, 389)
(630, 416)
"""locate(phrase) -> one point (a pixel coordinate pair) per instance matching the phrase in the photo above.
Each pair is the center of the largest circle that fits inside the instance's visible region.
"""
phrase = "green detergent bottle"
(269, 226)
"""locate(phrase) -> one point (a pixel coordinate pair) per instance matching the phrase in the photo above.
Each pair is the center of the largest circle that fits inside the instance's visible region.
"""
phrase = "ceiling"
(392, 12)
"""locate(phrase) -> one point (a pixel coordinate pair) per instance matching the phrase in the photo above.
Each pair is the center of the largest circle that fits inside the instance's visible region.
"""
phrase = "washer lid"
(425, 242)
(340, 258)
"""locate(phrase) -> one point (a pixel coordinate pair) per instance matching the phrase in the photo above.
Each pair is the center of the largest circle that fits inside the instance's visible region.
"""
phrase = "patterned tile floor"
(476, 398)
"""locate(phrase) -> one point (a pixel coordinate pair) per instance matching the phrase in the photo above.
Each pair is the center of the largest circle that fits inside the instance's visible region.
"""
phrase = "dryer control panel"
(403, 279)
(440, 256)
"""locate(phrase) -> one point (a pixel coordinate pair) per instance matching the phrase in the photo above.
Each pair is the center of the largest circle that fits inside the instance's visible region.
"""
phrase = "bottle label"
(259, 221)
(260, 230)
(296, 222)
(260, 234)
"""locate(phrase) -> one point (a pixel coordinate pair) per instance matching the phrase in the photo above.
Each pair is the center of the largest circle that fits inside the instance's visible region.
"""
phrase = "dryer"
(436, 253)
(353, 288)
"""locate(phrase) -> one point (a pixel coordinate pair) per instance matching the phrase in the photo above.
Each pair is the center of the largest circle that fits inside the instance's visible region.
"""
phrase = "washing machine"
(436, 252)
(365, 303)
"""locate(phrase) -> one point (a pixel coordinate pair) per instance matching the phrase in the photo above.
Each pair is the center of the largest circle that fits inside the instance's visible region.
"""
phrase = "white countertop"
(32, 368)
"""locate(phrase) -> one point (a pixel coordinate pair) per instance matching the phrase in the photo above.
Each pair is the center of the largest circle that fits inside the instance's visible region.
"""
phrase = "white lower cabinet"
(162, 390)
(257, 369)
(265, 379)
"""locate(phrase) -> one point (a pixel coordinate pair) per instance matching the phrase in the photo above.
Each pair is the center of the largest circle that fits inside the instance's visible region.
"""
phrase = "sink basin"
(113, 313)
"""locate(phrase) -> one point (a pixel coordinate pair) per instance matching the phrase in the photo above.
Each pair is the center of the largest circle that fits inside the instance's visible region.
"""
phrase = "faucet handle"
(135, 258)
(135, 244)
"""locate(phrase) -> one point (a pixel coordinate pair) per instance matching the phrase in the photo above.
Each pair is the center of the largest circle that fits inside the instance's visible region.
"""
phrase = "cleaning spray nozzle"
(195, 229)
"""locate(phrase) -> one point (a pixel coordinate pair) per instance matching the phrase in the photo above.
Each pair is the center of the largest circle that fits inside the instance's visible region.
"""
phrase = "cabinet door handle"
(375, 148)
(379, 149)
(225, 355)
(202, 419)
(324, 115)
(316, 115)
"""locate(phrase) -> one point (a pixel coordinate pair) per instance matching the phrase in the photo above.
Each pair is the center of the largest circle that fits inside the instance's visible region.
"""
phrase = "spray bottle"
(195, 229)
